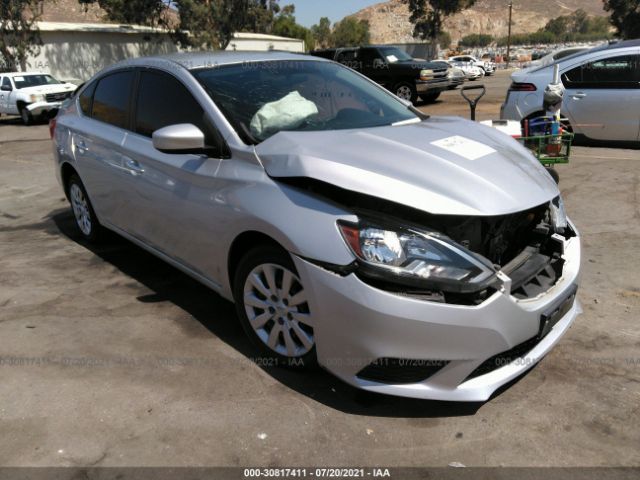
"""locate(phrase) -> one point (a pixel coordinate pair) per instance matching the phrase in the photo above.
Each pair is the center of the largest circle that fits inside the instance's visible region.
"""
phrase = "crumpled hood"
(494, 176)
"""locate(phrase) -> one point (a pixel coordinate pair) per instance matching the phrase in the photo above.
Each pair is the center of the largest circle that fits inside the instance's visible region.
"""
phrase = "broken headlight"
(416, 258)
(558, 215)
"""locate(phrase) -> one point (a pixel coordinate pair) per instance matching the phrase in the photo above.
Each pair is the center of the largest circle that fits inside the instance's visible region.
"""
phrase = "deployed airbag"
(285, 114)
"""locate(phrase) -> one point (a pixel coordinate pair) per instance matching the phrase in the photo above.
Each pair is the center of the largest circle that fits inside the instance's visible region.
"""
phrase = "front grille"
(400, 370)
(504, 358)
(57, 97)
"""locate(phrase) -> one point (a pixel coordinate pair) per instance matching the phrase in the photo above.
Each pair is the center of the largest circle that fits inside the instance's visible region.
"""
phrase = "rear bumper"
(359, 324)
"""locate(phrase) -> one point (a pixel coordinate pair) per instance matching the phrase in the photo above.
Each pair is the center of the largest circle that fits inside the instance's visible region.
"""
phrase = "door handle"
(132, 165)
(579, 95)
(82, 147)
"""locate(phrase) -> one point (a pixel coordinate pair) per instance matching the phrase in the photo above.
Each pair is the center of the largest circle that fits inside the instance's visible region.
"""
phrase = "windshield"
(261, 99)
(394, 54)
(26, 81)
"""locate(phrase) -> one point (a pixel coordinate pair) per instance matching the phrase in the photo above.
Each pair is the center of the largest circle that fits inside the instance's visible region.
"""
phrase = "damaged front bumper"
(40, 108)
(401, 345)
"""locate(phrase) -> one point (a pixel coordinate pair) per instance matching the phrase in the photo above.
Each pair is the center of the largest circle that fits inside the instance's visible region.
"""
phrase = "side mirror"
(180, 138)
(6, 88)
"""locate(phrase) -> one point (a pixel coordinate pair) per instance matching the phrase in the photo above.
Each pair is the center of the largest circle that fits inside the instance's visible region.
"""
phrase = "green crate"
(550, 149)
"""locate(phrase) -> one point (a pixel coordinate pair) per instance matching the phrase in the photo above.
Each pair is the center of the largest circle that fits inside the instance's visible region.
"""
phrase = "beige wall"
(79, 55)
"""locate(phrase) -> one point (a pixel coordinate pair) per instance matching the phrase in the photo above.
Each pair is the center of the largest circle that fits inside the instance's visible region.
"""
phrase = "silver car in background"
(408, 255)
(602, 97)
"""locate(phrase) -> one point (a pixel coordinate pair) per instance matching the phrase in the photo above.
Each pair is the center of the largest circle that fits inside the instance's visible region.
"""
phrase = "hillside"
(389, 21)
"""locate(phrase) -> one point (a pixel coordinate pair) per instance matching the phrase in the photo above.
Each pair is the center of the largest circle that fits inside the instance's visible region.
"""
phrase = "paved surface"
(452, 103)
(111, 357)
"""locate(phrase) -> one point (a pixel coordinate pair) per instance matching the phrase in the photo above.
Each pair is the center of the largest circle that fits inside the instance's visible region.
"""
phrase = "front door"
(177, 194)
(602, 98)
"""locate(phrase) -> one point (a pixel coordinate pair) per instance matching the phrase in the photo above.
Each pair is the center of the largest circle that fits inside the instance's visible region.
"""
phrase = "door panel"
(602, 98)
(175, 195)
(97, 147)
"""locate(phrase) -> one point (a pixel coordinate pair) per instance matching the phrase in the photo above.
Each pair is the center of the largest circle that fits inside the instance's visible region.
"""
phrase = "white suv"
(602, 98)
(32, 94)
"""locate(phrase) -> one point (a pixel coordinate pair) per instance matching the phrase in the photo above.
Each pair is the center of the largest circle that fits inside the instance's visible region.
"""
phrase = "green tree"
(428, 16)
(444, 39)
(350, 32)
(212, 23)
(625, 16)
(285, 26)
(19, 34)
(322, 33)
(135, 12)
(476, 40)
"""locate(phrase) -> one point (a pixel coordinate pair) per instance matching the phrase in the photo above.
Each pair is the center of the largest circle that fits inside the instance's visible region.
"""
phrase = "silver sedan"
(406, 254)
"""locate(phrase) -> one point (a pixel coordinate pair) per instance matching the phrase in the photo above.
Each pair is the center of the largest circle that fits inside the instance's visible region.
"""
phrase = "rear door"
(602, 97)
(97, 140)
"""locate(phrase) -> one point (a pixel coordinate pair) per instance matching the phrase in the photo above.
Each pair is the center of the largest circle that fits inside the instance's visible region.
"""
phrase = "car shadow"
(218, 316)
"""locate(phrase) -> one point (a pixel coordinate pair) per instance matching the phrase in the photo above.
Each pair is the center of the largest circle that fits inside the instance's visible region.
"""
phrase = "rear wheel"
(86, 219)
(406, 91)
(272, 305)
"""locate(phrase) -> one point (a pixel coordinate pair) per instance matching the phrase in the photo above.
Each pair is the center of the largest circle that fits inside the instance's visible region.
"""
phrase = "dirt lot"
(110, 357)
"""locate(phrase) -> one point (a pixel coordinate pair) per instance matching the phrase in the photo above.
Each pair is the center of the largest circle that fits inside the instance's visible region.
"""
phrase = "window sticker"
(464, 147)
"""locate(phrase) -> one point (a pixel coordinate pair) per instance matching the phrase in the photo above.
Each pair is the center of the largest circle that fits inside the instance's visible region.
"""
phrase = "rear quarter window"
(112, 98)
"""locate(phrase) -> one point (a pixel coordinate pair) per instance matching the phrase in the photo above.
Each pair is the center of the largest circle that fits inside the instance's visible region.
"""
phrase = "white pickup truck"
(32, 95)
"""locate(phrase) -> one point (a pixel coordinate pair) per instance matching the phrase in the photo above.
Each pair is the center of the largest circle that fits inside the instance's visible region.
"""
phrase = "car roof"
(194, 60)
(603, 48)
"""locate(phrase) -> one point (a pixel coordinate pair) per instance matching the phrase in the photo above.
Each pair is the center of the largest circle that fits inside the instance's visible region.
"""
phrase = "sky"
(308, 12)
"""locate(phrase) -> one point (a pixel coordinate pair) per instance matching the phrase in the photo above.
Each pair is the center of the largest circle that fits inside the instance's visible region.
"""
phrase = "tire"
(265, 287)
(554, 174)
(431, 97)
(25, 115)
(86, 220)
(406, 91)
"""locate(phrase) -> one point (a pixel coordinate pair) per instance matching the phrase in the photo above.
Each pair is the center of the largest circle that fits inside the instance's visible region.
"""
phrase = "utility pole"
(509, 35)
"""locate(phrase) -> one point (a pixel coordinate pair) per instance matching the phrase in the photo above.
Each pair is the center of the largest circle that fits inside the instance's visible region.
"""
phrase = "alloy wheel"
(404, 92)
(276, 306)
(80, 209)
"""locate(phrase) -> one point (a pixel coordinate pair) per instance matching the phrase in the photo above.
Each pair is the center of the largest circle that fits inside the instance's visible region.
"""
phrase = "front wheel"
(431, 97)
(26, 116)
(273, 307)
(86, 219)
(406, 91)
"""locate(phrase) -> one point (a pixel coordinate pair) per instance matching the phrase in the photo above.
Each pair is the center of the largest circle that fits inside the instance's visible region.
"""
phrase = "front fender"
(303, 224)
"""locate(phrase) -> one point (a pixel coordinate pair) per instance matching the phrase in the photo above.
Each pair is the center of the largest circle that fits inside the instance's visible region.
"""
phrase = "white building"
(261, 42)
(76, 51)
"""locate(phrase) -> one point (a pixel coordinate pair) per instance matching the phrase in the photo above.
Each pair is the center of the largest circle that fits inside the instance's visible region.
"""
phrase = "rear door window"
(86, 99)
(620, 72)
(112, 97)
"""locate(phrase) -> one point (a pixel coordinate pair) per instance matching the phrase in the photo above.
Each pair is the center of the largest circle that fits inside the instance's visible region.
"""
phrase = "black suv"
(394, 69)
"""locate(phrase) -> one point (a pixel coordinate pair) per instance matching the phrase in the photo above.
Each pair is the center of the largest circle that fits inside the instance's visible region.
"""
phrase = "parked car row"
(32, 95)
